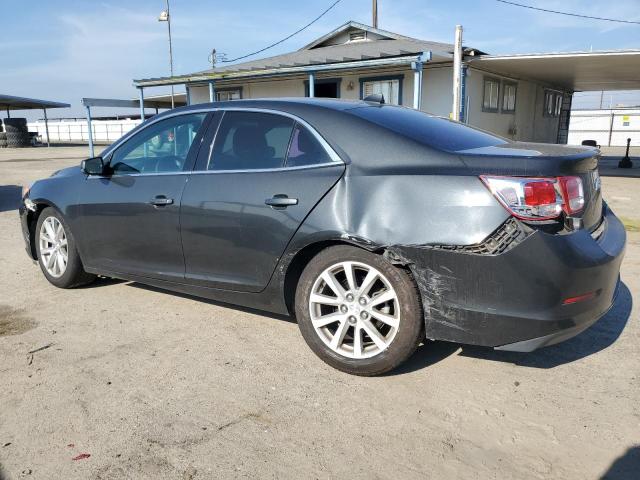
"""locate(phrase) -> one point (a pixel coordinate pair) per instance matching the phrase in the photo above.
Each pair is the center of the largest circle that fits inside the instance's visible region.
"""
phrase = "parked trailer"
(607, 127)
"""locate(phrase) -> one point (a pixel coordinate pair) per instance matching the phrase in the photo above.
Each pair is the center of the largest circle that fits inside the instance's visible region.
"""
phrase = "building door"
(324, 88)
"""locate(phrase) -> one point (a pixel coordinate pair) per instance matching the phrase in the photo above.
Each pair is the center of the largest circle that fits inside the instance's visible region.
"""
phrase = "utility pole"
(165, 16)
(374, 12)
(457, 74)
(601, 98)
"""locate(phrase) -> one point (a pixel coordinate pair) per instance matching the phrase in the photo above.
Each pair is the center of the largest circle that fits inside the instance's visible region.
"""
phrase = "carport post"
(212, 92)
(8, 114)
(186, 87)
(457, 75)
(91, 154)
(312, 85)
(141, 93)
(417, 78)
(46, 125)
(417, 84)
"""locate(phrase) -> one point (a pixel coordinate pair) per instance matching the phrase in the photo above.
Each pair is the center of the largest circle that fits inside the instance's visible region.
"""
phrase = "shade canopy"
(577, 71)
(155, 101)
(9, 102)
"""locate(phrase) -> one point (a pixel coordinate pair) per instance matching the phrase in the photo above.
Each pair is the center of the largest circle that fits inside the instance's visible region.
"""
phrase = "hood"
(67, 172)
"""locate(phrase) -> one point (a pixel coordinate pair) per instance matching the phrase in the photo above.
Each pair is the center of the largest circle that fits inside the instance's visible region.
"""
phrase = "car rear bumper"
(519, 300)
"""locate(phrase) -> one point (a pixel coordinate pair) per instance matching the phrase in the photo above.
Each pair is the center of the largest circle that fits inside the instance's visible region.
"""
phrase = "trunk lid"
(543, 160)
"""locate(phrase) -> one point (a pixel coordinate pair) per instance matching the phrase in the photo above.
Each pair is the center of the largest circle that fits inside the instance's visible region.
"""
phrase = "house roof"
(356, 26)
(384, 45)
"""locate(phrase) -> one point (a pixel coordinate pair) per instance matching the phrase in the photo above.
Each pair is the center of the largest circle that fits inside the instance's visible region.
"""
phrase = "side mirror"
(93, 166)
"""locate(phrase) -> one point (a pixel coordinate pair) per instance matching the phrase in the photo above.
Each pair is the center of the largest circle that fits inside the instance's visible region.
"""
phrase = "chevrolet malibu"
(376, 226)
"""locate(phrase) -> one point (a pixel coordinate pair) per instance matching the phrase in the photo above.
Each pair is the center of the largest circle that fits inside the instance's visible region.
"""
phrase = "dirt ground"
(158, 385)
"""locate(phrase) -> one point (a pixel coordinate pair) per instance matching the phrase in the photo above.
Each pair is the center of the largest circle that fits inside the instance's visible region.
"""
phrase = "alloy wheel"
(54, 248)
(354, 310)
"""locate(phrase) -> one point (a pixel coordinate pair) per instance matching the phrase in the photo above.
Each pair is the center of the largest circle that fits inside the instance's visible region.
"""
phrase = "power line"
(569, 13)
(288, 37)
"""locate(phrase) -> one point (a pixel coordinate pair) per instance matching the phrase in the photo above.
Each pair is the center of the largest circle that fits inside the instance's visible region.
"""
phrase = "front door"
(129, 219)
(248, 196)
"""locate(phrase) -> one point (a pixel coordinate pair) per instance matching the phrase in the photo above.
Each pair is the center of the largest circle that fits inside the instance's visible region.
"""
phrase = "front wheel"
(57, 254)
(357, 312)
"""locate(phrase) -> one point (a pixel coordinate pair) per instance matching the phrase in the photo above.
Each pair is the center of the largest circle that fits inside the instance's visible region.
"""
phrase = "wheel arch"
(304, 255)
(32, 221)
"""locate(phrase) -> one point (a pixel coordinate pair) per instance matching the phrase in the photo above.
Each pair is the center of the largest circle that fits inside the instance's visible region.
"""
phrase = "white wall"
(603, 125)
(437, 90)
(199, 94)
(61, 131)
(527, 123)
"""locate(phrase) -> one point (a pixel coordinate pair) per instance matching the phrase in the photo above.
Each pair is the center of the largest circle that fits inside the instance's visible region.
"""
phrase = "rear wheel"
(357, 312)
(57, 254)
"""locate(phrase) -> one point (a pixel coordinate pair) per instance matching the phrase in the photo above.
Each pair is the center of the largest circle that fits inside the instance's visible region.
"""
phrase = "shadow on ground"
(596, 338)
(608, 167)
(10, 197)
(285, 318)
(427, 354)
(626, 467)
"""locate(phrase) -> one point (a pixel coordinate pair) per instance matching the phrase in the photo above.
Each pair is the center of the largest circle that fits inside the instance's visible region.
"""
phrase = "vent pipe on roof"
(457, 74)
(374, 14)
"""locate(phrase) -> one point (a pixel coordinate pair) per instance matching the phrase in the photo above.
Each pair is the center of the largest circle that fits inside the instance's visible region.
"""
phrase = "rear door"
(249, 194)
(129, 220)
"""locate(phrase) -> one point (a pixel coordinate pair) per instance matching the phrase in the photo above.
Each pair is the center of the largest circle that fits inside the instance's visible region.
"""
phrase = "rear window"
(429, 130)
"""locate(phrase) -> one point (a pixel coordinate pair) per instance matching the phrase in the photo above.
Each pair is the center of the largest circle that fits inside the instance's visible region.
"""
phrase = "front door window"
(161, 147)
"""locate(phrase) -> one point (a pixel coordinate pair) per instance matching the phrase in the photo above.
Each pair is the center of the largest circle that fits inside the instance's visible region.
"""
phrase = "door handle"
(161, 201)
(280, 201)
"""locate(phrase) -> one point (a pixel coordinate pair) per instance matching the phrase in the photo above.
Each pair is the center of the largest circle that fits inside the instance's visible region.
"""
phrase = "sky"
(64, 50)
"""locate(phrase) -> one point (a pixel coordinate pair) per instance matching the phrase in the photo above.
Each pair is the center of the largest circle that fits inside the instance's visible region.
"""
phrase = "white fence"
(76, 131)
(606, 127)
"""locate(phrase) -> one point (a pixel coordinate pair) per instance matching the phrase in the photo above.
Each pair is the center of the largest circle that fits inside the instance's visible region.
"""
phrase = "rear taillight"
(572, 193)
(533, 198)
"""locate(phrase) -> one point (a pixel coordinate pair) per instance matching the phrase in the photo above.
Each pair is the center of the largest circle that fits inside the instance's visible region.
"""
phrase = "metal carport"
(159, 101)
(574, 71)
(9, 102)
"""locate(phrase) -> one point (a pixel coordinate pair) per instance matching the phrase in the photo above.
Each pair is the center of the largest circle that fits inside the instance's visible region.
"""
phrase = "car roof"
(282, 103)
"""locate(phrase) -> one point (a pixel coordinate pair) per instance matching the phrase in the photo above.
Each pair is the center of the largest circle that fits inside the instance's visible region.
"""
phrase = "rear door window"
(305, 149)
(251, 141)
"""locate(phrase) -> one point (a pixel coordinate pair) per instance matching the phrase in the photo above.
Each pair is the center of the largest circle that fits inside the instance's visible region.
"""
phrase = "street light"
(166, 17)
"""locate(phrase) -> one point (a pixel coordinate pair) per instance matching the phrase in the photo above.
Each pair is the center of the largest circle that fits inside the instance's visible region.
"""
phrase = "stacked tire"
(3, 138)
(16, 132)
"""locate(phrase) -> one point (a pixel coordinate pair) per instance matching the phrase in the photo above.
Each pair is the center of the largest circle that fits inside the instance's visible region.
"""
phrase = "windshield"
(436, 132)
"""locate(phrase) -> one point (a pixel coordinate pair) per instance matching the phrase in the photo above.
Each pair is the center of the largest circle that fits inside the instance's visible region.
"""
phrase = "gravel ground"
(158, 385)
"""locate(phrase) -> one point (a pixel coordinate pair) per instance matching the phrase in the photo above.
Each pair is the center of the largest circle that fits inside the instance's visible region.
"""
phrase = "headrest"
(249, 140)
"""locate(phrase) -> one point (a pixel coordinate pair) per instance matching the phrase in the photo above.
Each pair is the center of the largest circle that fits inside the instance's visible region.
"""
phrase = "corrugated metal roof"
(9, 102)
(347, 52)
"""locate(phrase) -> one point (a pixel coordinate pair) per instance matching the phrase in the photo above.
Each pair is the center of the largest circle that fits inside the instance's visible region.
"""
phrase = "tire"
(320, 321)
(17, 139)
(15, 124)
(73, 274)
(3, 136)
